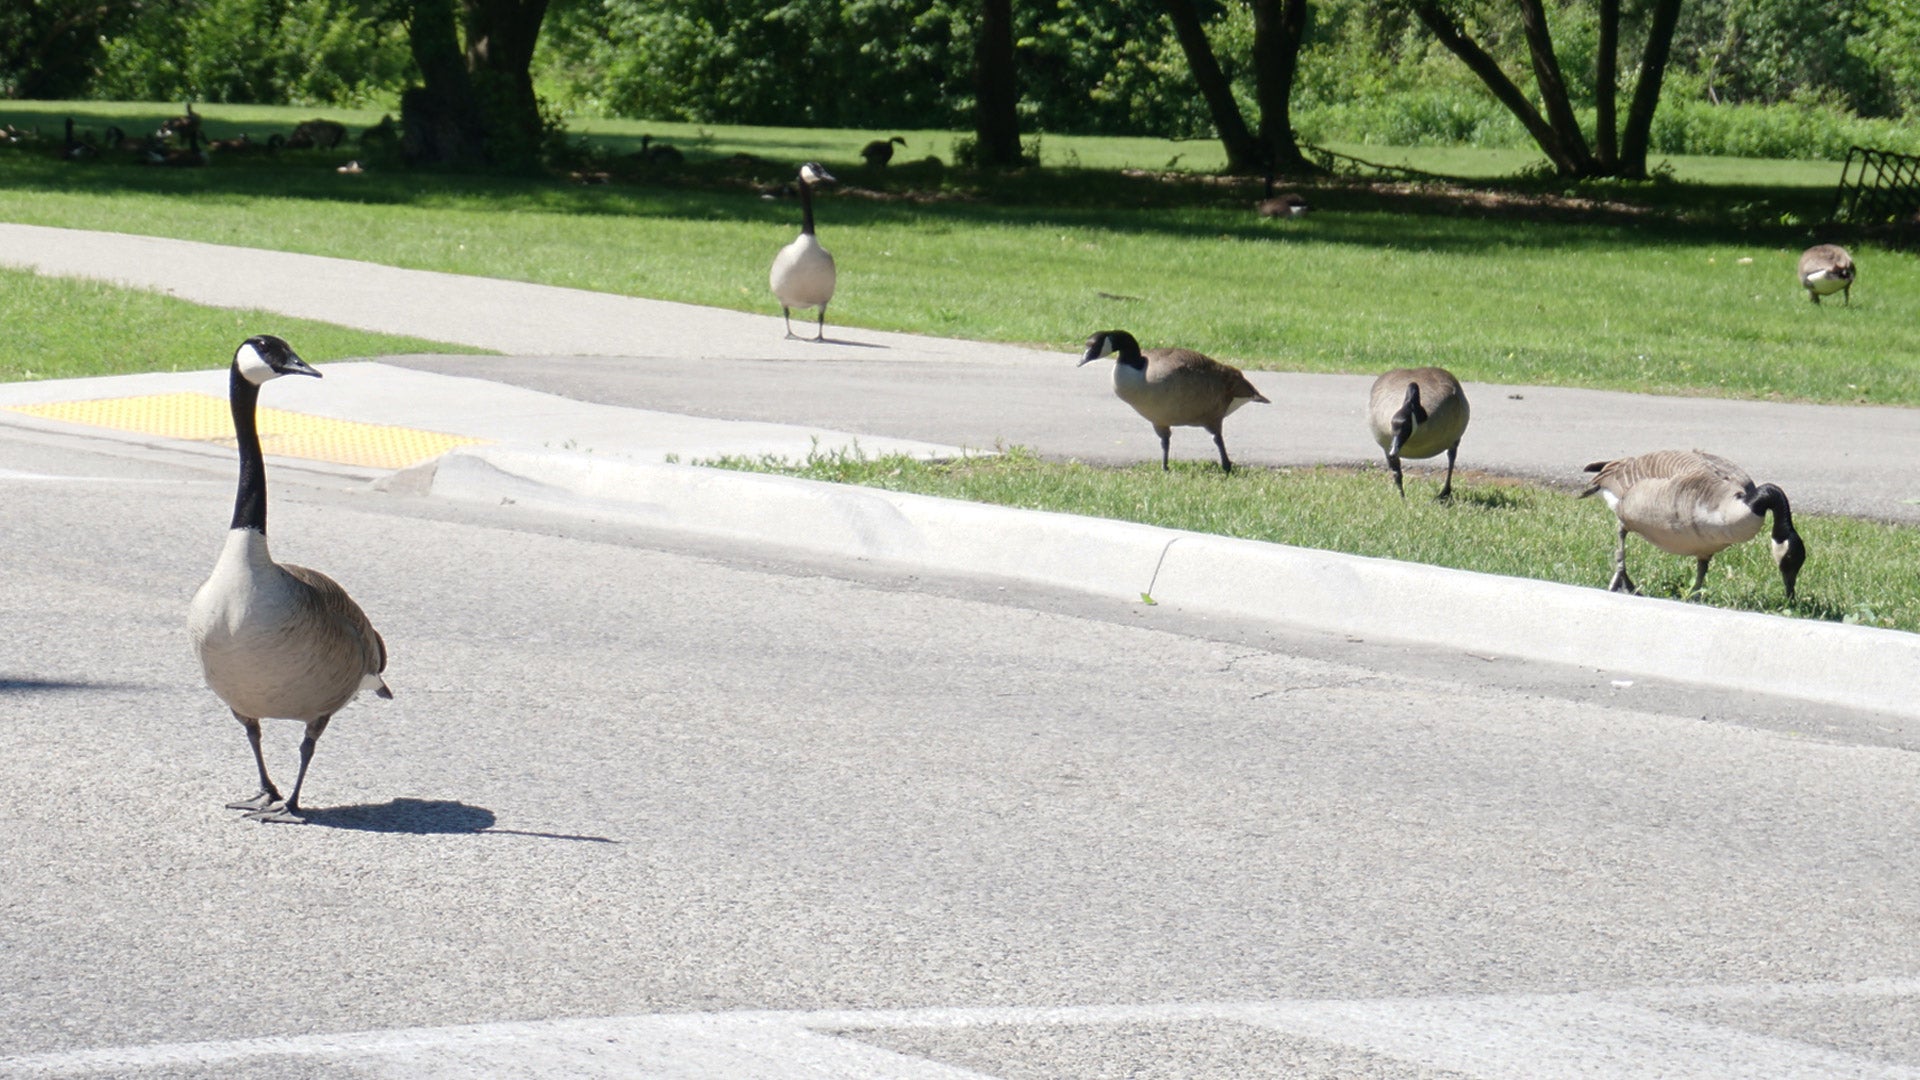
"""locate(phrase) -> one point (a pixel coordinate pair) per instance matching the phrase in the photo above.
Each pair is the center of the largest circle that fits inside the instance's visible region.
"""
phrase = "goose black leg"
(1221, 442)
(1700, 576)
(289, 811)
(820, 333)
(1621, 582)
(1446, 489)
(787, 314)
(1166, 445)
(269, 795)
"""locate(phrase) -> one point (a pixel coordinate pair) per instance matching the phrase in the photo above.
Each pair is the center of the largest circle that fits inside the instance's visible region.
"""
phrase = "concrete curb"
(1828, 663)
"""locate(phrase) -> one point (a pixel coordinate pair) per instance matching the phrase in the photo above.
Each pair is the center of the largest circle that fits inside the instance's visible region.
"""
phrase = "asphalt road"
(648, 806)
(1830, 459)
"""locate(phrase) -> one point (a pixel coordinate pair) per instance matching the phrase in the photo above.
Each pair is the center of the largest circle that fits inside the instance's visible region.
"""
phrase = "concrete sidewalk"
(616, 385)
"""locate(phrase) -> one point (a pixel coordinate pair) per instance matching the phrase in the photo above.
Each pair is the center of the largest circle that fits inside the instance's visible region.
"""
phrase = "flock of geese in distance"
(283, 641)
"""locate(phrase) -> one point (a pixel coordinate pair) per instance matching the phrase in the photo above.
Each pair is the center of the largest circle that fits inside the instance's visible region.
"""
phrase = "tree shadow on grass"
(425, 817)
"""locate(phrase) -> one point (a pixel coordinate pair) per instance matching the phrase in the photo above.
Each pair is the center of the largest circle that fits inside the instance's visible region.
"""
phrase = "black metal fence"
(1877, 187)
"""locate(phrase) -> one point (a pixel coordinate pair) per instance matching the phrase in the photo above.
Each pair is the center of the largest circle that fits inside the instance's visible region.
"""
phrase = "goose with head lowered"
(276, 640)
(1688, 502)
(1826, 269)
(803, 274)
(1173, 387)
(1416, 413)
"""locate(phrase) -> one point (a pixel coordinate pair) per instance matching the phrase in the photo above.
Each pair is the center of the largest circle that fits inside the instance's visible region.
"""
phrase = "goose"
(316, 134)
(175, 125)
(880, 151)
(803, 275)
(78, 149)
(663, 154)
(274, 639)
(190, 155)
(1687, 502)
(1173, 387)
(118, 139)
(1288, 205)
(1284, 205)
(1416, 413)
(1826, 269)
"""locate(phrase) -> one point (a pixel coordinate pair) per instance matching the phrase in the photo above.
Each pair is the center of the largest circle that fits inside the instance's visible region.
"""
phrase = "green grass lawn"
(61, 329)
(1694, 296)
(1856, 571)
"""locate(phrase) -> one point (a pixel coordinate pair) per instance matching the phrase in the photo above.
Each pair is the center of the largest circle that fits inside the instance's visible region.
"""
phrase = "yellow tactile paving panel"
(206, 418)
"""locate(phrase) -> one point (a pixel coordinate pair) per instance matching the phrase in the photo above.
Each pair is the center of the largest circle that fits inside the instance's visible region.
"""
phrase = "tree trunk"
(1243, 153)
(440, 122)
(1443, 27)
(995, 92)
(1553, 87)
(1279, 26)
(1606, 83)
(1646, 93)
(477, 104)
(501, 35)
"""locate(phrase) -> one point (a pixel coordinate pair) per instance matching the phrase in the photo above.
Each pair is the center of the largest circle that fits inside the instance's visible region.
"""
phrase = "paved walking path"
(687, 365)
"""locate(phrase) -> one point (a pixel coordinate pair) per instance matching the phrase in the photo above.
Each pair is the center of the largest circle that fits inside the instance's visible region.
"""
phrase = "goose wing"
(341, 619)
(1184, 366)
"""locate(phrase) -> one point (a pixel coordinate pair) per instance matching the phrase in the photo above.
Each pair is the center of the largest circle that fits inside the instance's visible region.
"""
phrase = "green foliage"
(48, 48)
(880, 64)
(1801, 128)
(302, 52)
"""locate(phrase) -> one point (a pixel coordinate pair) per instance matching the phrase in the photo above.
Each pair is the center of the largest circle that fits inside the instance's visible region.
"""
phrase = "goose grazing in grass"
(1416, 413)
(1686, 502)
(803, 274)
(880, 151)
(1826, 269)
(1173, 387)
(276, 640)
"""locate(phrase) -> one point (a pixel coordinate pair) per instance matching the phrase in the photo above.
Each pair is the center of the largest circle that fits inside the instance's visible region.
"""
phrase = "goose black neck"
(806, 208)
(1127, 351)
(1768, 498)
(250, 499)
(1410, 405)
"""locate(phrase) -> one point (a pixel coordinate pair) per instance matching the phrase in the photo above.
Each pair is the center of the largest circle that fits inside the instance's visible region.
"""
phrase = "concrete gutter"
(1828, 663)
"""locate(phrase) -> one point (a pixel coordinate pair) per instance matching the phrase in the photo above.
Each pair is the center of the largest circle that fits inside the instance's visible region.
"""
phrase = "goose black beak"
(297, 366)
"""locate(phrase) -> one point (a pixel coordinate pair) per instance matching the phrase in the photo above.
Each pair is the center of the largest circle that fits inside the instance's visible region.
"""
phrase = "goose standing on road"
(1173, 387)
(1686, 502)
(276, 640)
(803, 274)
(1826, 269)
(1416, 413)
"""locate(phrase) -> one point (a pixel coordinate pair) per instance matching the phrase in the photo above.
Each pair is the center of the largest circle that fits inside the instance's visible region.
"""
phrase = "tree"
(476, 103)
(996, 95)
(48, 47)
(1243, 154)
(1279, 27)
(1558, 131)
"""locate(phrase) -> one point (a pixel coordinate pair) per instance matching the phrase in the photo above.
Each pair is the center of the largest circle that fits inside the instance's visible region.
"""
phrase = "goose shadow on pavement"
(424, 817)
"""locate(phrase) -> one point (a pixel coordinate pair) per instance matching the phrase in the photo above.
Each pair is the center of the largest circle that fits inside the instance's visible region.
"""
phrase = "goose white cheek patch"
(254, 366)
